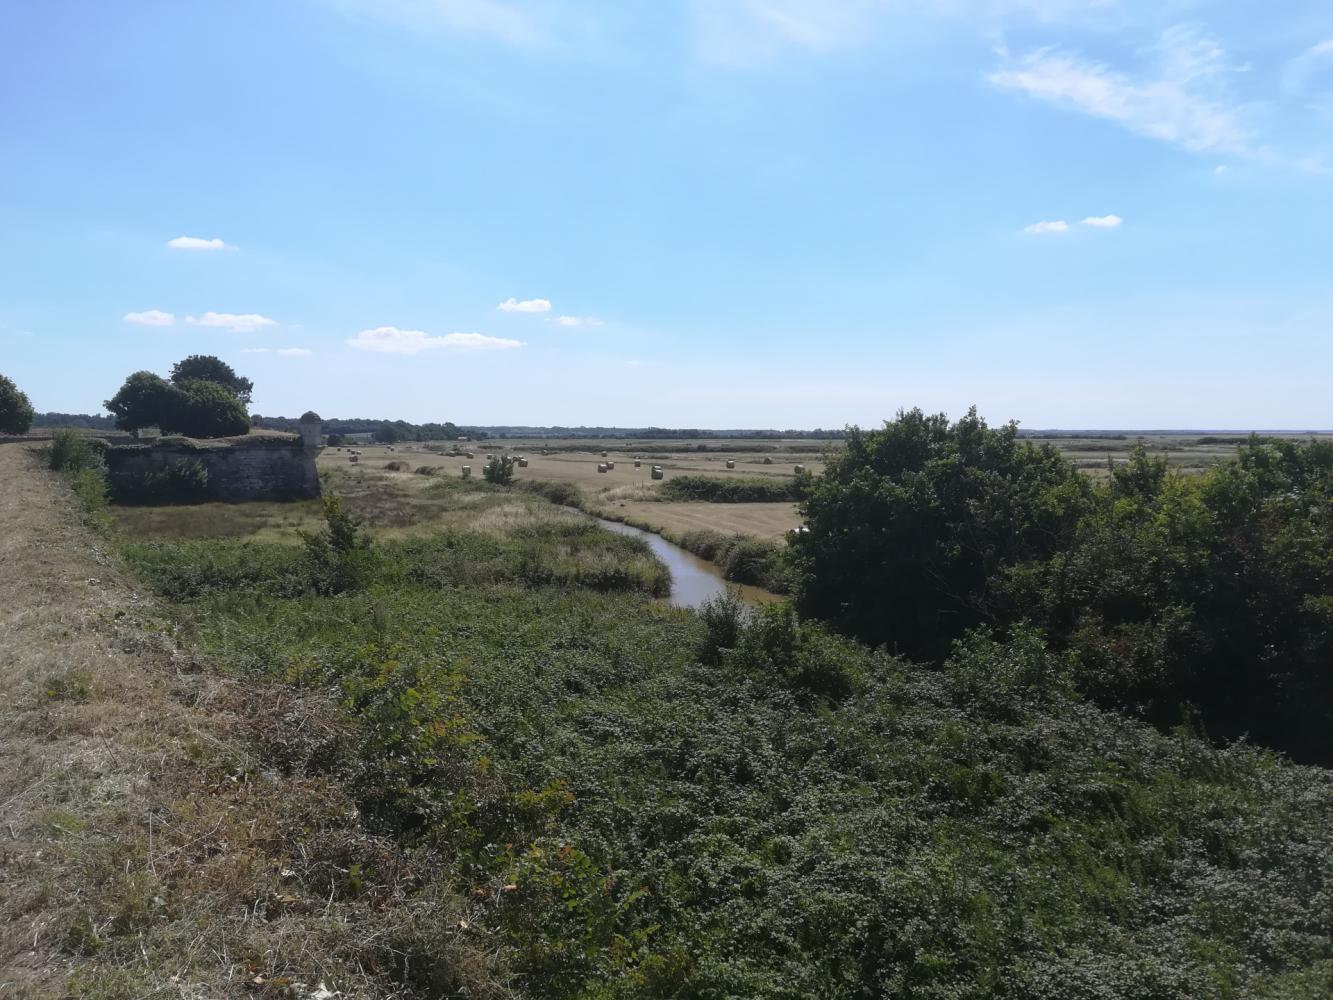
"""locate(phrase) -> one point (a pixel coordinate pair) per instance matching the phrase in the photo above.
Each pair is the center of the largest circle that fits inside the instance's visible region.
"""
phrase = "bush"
(499, 471)
(734, 489)
(71, 451)
(339, 558)
(16, 412)
(564, 494)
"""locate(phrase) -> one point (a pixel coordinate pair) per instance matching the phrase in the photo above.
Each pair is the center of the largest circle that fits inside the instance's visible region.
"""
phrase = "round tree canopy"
(310, 417)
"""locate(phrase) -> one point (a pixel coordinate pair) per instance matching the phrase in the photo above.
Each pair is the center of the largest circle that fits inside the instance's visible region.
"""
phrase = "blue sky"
(793, 213)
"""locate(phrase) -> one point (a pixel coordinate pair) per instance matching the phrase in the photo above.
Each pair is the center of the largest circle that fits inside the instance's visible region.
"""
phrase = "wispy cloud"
(150, 317)
(578, 321)
(1183, 101)
(526, 306)
(504, 22)
(282, 352)
(197, 243)
(1047, 228)
(235, 322)
(747, 31)
(1103, 221)
(391, 340)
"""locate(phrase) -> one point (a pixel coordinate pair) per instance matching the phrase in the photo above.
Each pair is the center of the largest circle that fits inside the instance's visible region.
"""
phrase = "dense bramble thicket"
(639, 802)
(1207, 596)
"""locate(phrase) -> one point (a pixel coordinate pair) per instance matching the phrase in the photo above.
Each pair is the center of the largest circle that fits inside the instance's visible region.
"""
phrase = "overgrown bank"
(639, 802)
(742, 559)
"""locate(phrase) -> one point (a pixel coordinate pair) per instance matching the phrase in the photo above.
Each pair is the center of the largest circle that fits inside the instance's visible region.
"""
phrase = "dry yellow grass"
(159, 835)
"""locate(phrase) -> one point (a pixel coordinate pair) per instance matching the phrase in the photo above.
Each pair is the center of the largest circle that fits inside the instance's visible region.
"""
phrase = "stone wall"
(259, 466)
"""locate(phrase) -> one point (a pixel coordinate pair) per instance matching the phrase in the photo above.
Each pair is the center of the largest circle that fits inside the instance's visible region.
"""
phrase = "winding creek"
(693, 580)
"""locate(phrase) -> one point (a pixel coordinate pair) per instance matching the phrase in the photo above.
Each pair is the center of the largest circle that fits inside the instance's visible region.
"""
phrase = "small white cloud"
(1323, 48)
(633, 363)
(235, 322)
(526, 306)
(1221, 168)
(150, 317)
(1103, 221)
(195, 243)
(391, 340)
(578, 321)
(1046, 228)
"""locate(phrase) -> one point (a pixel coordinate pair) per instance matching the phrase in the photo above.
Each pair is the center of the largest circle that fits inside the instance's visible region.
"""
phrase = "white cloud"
(1046, 228)
(1103, 221)
(391, 340)
(578, 321)
(195, 243)
(501, 21)
(235, 322)
(1323, 48)
(150, 317)
(526, 306)
(1183, 102)
(282, 352)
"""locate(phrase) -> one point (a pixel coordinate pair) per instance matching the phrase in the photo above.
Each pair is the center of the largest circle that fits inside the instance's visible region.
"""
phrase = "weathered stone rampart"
(258, 466)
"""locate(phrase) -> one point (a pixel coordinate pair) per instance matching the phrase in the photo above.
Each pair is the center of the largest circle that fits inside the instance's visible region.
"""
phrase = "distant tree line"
(656, 433)
(1204, 600)
(96, 422)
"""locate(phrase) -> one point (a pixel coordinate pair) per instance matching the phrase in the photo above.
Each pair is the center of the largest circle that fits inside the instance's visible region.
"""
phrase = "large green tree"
(145, 400)
(207, 368)
(16, 412)
(912, 526)
(195, 408)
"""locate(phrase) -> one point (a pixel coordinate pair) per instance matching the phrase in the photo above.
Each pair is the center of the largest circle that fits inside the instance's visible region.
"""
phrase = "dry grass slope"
(159, 832)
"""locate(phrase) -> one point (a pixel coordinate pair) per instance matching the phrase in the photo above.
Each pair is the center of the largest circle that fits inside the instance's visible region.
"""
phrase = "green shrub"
(339, 558)
(564, 494)
(71, 451)
(16, 412)
(734, 489)
(499, 471)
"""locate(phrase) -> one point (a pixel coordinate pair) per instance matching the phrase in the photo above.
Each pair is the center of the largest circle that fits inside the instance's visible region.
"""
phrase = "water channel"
(693, 580)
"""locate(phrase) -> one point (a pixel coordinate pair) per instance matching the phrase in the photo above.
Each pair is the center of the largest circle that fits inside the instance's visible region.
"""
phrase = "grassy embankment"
(602, 797)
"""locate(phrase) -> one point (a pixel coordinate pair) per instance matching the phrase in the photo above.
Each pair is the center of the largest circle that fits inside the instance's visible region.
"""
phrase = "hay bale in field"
(522, 463)
(800, 470)
(611, 466)
(604, 454)
(731, 463)
(353, 458)
(467, 472)
(657, 472)
(601, 466)
(637, 464)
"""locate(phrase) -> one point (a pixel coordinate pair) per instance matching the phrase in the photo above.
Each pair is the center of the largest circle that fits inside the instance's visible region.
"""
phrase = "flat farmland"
(627, 493)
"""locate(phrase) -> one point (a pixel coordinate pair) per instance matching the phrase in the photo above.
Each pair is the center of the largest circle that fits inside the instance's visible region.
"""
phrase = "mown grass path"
(143, 850)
